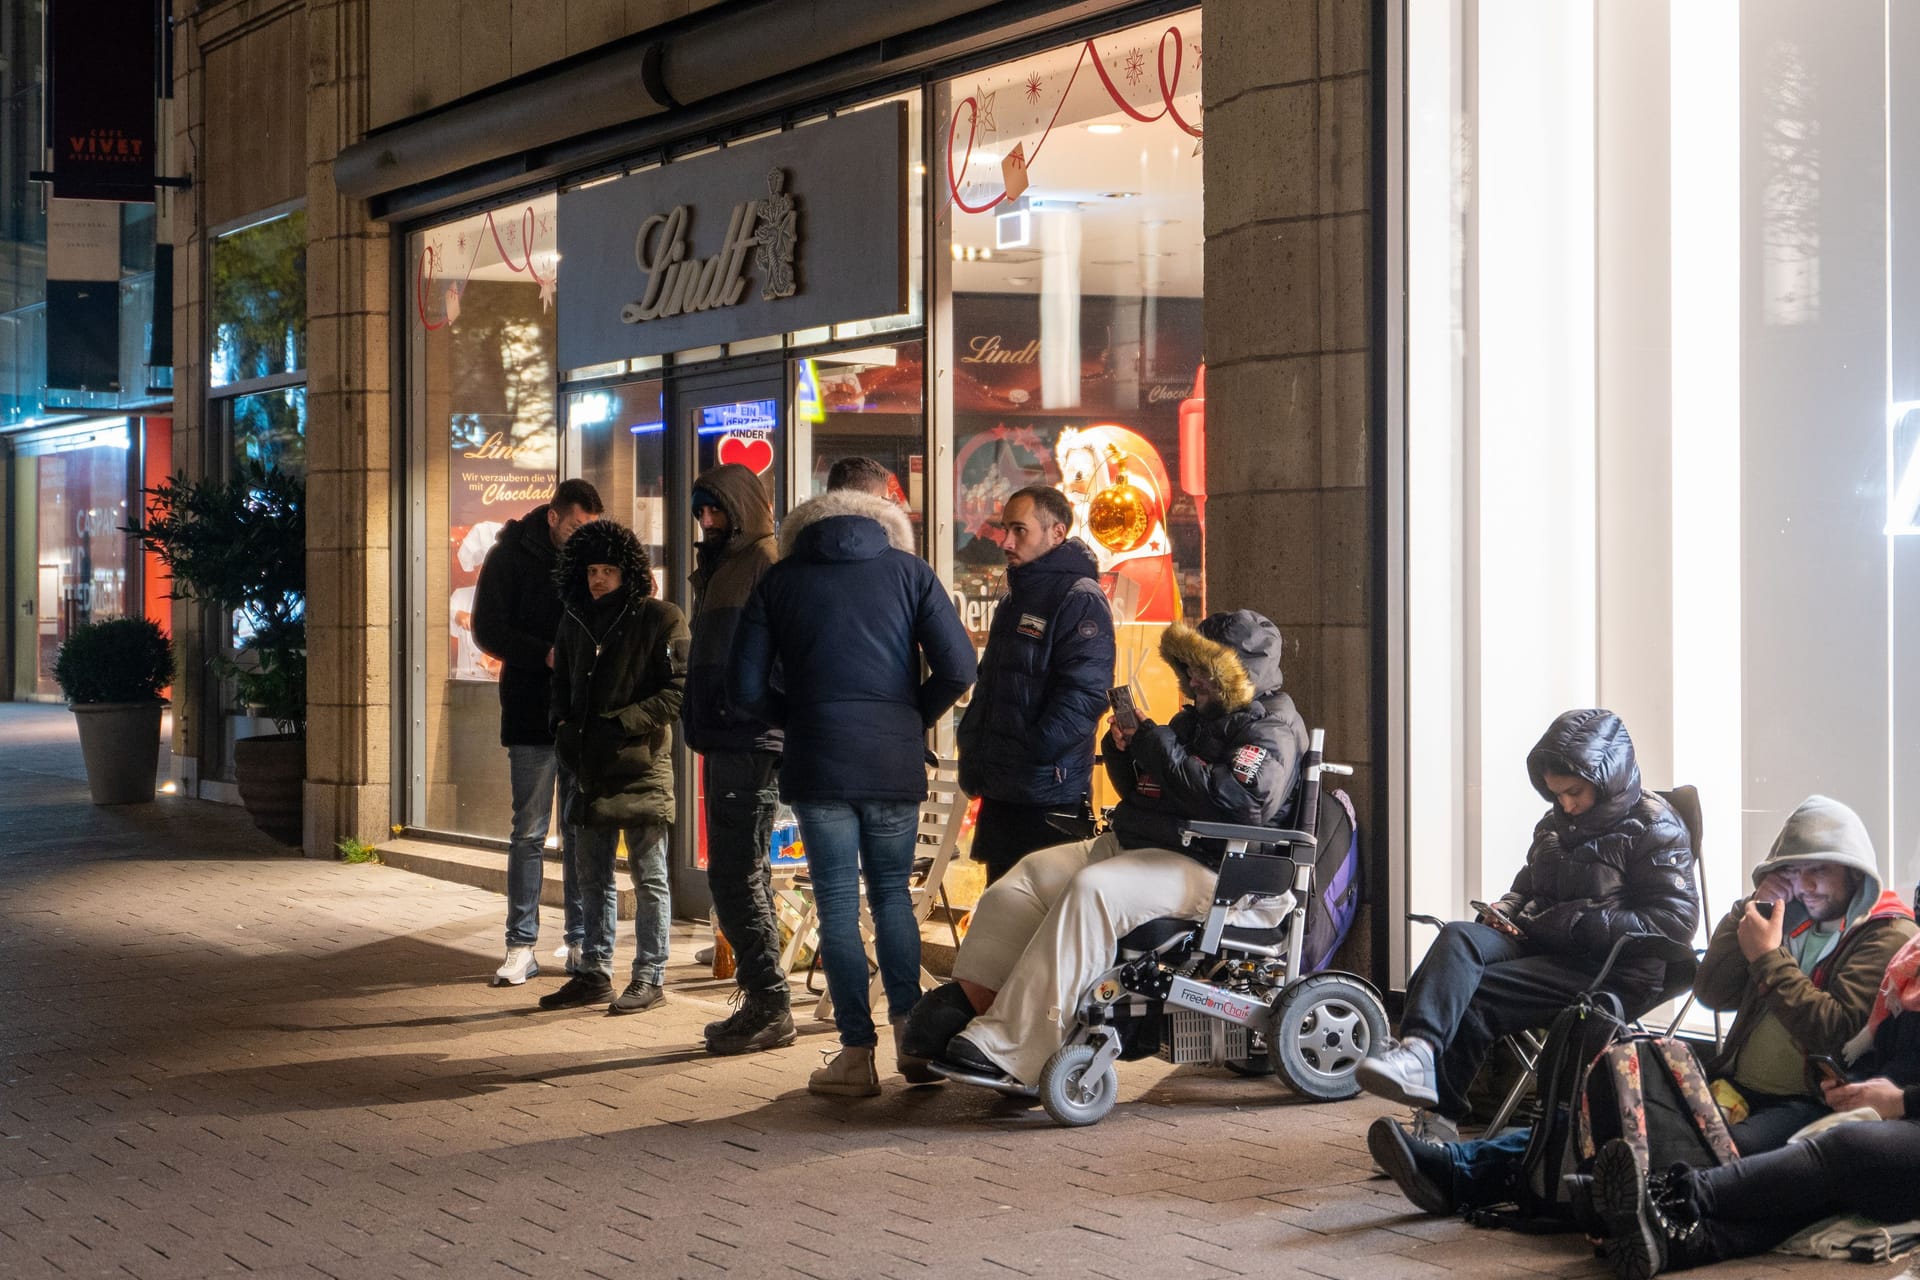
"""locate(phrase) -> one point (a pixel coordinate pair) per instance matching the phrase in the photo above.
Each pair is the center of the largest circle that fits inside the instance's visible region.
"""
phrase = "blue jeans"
(1486, 1171)
(874, 839)
(594, 849)
(532, 773)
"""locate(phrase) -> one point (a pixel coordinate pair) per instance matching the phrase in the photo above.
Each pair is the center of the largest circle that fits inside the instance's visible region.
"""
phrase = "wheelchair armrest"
(1234, 831)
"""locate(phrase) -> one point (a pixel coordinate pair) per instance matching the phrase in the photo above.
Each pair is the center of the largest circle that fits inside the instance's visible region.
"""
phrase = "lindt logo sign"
(681, 284)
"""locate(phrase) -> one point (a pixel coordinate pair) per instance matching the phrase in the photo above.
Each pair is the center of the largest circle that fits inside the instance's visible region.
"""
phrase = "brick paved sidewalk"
(218, 1059)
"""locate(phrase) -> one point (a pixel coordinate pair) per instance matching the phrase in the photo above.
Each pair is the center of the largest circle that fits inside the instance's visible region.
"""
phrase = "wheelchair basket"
(1190, 1036)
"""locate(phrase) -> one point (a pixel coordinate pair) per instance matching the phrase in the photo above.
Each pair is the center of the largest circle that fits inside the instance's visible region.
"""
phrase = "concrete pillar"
(1290, 419)
(349, 440)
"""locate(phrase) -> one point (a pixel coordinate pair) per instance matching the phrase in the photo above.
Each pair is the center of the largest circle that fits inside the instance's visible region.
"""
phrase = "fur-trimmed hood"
(1239, 653)
(602, 542)
(812, 514)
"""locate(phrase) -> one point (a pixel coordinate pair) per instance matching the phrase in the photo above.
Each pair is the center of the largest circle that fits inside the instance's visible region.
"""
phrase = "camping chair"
(1526, 1045)
(942, 816)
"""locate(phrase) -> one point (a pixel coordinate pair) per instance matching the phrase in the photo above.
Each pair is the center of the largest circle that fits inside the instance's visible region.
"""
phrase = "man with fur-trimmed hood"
(619, 671)
(1048, 927)
(845, 618)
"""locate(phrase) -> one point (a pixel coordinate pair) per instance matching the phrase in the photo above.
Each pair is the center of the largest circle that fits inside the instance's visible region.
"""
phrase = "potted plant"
(113, 673)
(240, 545)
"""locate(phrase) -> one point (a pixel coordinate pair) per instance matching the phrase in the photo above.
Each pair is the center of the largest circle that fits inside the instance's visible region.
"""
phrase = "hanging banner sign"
(791, 232)
(103, 98)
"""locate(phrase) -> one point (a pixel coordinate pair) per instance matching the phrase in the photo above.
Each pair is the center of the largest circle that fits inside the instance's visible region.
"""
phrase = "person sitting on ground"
(1670, 1219)
(1802, 980)
(1607, 860)
(619, 673)
(1047, 928)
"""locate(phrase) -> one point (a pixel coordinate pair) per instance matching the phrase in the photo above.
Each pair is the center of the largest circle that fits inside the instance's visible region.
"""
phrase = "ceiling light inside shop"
(1119, 195)
(1105, 128)
(1019, 280)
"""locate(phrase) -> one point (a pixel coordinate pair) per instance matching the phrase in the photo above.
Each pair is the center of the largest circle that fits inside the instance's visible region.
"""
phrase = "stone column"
(1290, 422)
(349, 436)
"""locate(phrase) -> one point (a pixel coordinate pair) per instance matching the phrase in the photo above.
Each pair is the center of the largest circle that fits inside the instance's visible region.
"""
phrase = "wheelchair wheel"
(1069, 1097)
(1322, 1027)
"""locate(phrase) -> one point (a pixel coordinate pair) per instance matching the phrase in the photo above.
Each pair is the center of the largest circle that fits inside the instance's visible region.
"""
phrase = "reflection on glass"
(866, 403)
(270, 428)
(259, 301)
(617, 441)
(80, 564)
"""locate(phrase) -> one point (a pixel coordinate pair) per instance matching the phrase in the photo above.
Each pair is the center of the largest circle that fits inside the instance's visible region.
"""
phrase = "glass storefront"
(1052, 336)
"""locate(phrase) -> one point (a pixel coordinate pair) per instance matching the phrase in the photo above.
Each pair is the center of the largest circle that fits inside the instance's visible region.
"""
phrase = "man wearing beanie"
(741, 755)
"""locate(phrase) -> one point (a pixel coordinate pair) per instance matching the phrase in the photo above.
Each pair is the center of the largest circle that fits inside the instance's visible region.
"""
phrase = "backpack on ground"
(1576, 1038)
(1336, 881)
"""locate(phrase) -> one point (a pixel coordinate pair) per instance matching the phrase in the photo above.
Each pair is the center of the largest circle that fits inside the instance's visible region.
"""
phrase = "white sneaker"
(1429, 1125)
(704, 955)
(516, 968)
(574, 954)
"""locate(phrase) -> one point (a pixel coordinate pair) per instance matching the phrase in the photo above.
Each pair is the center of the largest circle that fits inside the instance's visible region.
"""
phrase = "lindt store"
(984, 279)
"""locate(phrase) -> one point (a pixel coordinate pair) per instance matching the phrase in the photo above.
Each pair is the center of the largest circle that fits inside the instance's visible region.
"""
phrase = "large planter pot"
(271, 771)
(120, 742)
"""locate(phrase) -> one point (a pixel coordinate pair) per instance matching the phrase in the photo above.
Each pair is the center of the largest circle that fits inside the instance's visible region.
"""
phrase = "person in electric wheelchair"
(1045, 931)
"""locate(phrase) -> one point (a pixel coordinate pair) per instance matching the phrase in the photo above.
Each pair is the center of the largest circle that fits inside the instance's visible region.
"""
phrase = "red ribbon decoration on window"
(423, 273)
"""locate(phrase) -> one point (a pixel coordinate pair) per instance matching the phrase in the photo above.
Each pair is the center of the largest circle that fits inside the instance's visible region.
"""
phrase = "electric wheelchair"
(1210, 992)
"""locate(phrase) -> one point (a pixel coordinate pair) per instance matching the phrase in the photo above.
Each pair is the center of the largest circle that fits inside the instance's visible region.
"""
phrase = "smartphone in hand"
(1828, 1068)
(1765, 907)
(1126, 717)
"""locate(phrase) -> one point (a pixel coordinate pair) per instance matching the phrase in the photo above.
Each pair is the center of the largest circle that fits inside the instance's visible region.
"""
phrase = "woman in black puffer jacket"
(1607, 860)
(619, 672)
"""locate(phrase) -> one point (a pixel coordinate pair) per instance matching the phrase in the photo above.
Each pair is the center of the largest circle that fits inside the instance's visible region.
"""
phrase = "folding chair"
(942, 816)
(1526, 1045)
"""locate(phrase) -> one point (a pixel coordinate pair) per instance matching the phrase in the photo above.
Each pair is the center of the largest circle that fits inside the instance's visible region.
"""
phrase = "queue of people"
(817, 659)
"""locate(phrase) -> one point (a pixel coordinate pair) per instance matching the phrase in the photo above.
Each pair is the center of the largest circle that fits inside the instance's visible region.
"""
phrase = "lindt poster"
(501, 470)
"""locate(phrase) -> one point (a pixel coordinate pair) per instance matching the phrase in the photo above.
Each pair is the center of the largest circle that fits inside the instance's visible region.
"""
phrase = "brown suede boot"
(849, 1075)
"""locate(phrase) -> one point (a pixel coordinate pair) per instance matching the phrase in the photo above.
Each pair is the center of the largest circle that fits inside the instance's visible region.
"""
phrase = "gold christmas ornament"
(1121, 515)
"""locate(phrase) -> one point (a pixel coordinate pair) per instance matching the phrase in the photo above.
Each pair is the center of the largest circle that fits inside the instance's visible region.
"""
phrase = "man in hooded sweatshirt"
(516, 614)
(1026, 740)
(1049, 927)
(1607, 859)
(620, 666)
(1799, 960)
(741, 754)
(848, 615)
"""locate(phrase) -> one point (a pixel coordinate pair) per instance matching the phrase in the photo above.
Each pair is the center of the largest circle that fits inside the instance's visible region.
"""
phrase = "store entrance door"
(734, 415)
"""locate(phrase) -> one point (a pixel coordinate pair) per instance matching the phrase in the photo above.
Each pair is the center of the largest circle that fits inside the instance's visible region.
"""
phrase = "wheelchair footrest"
(999, 1084)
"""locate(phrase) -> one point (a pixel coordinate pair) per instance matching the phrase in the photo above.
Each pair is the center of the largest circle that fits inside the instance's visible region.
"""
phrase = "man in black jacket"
(1026, 740)
(740, 756)
(847, 616)
(1045, 931)
(1607, 859)
(516, 614)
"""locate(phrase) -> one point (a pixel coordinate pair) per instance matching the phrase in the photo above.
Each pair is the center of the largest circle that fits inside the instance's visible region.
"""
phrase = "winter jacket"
(1232, 763)
(723, 579)
(1820, 1010)
(619, 670)
(848, 613)
(1624, 866)
(1027, 735)
(516, 613)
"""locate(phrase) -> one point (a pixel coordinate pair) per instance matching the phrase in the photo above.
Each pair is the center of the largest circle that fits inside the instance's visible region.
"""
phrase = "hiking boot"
(581, 989)
(914, 1068)
(1422, 1170)
(516, 968)
(764, 1021)
(725, 1026)
(1652, 1223)
(640, 994)
(1402, 1073)
(937, 1017)
(848, 1074)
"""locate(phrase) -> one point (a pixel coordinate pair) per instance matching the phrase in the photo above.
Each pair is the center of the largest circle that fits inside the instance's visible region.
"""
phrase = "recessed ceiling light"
(1019, 279)
(1105, 128)
(1118, 195)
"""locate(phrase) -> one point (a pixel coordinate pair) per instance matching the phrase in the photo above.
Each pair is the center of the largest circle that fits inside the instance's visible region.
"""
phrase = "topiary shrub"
(118, 660)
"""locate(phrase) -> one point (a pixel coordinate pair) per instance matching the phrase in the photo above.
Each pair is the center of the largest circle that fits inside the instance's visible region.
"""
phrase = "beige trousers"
(1049, 927)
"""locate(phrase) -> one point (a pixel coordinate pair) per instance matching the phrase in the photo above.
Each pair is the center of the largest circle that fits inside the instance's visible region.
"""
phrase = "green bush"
(119, 660)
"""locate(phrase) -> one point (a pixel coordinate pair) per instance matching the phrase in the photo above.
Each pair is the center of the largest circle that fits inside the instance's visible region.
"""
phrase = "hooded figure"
(1234, 761)
(1623, 866)
(1609, 859)
(1814, 991)
(725, 571)
(619, 671)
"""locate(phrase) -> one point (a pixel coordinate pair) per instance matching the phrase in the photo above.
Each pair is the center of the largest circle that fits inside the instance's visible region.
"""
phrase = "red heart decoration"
(755, 453)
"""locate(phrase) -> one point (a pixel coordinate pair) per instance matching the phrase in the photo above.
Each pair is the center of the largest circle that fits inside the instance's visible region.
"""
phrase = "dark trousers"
(1753, 1204)
(1005, 832)
(1477, 985)
(1771, 1121)
(741, 796)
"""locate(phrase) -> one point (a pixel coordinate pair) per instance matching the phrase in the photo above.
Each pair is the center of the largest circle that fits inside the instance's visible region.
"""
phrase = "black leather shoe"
(962, 1054)
(937, 1017)
(581, 989)
(1422, 1170)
